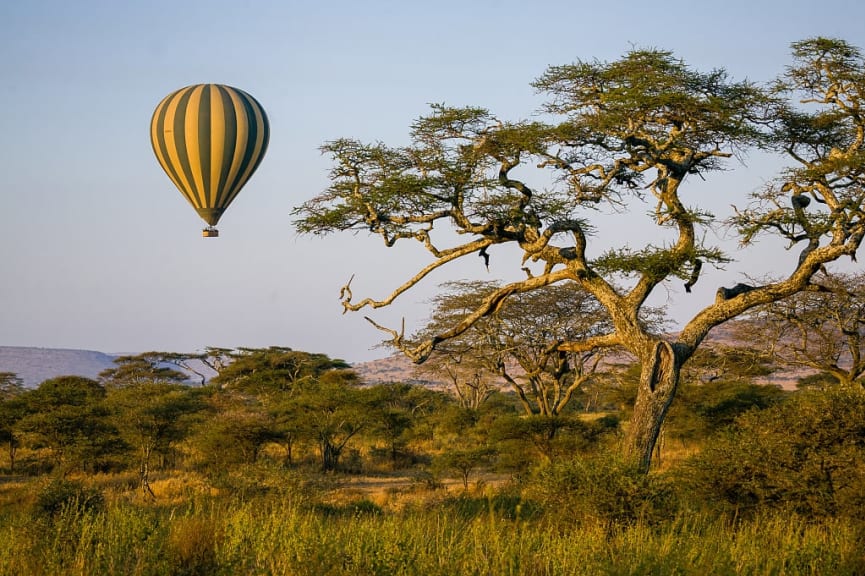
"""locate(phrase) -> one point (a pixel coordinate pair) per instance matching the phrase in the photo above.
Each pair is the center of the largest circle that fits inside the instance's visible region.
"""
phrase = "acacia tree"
(333, 411)
(471, 381)
(151, 416)
(150, 406)
(821, 330)
(274, 370)
(518, 342)
(265, 396)
(141, 369)
(470, 366)
(621, 133)
(67, 415)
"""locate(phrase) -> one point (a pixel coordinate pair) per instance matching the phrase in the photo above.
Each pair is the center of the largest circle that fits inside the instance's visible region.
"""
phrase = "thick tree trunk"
(658, 381)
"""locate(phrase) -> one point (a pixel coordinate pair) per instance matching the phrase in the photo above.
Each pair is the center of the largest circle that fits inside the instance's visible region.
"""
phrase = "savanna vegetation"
(576, 434)
(285, 463)
(633, 137)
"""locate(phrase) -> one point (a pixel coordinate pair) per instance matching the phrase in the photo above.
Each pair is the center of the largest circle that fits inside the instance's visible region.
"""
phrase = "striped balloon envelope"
(209, 139)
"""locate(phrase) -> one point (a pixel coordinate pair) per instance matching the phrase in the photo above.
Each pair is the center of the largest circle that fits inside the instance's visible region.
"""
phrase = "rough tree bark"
(659, 378)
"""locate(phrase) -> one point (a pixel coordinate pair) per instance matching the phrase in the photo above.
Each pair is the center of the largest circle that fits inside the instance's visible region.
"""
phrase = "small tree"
(622, 134)
(463, 462)
(468, 373)
(11, 411)
(151, 416)
(288, 426)
(68, 415)
(333, 410)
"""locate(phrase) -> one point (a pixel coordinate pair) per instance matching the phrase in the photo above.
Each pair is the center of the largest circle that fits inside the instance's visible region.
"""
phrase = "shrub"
(806, 455)
(602, 488)
(61, 494)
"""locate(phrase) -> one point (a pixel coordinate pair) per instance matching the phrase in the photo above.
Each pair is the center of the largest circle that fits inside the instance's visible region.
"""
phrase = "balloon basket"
(210, 233)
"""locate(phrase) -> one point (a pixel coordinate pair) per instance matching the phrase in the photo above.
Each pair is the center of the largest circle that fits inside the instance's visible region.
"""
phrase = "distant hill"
(35, 365)
(396, 368)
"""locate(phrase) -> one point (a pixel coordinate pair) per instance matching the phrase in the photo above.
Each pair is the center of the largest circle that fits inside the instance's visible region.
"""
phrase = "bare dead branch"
(346, 295)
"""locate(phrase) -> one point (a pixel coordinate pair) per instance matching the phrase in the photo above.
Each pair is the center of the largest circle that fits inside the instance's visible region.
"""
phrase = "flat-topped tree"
(627, 132)
(141, 369)
(518, 341)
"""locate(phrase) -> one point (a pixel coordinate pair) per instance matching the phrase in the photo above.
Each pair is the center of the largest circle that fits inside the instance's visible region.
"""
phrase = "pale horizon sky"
(99, 251)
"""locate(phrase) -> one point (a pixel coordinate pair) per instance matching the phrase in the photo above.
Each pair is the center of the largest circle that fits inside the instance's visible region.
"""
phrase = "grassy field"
(279, 523)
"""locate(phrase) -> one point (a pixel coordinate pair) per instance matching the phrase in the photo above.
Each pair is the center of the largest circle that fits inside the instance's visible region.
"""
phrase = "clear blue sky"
(99, 251)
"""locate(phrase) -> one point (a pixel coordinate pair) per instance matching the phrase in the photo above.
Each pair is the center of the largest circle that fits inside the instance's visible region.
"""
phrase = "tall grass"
(286, 535)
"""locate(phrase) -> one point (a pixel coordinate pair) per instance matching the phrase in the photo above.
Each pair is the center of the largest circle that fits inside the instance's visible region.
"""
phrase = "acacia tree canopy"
(619, 133)
(519, 341)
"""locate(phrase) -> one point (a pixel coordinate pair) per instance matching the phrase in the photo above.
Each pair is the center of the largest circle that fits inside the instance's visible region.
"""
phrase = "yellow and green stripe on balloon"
(209, 139)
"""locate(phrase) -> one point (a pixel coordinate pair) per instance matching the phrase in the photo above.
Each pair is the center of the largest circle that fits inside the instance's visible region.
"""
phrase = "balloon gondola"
(209, 139)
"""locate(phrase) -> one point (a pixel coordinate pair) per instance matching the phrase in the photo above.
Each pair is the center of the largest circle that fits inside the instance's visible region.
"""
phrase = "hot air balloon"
(209, 139)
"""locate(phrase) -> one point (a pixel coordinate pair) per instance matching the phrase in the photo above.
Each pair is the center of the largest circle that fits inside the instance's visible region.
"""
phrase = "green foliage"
(647, 92)
(62, 495)
(12, 409)
(820, 380)
(705, 408)
(68, 415)
(652, 261)
(334, 412)
(523, 441)
(153, 415)
(273, 370)
(729, 363)
(603, 489)
(236, 435)
(805, 455)
(462, 462)
(10, 386)
(140, 369)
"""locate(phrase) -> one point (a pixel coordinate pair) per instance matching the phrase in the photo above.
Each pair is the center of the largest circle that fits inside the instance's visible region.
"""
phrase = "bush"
(602, 489)
(61, 494)
(499, 505)
(524, 441)
(806, 455)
